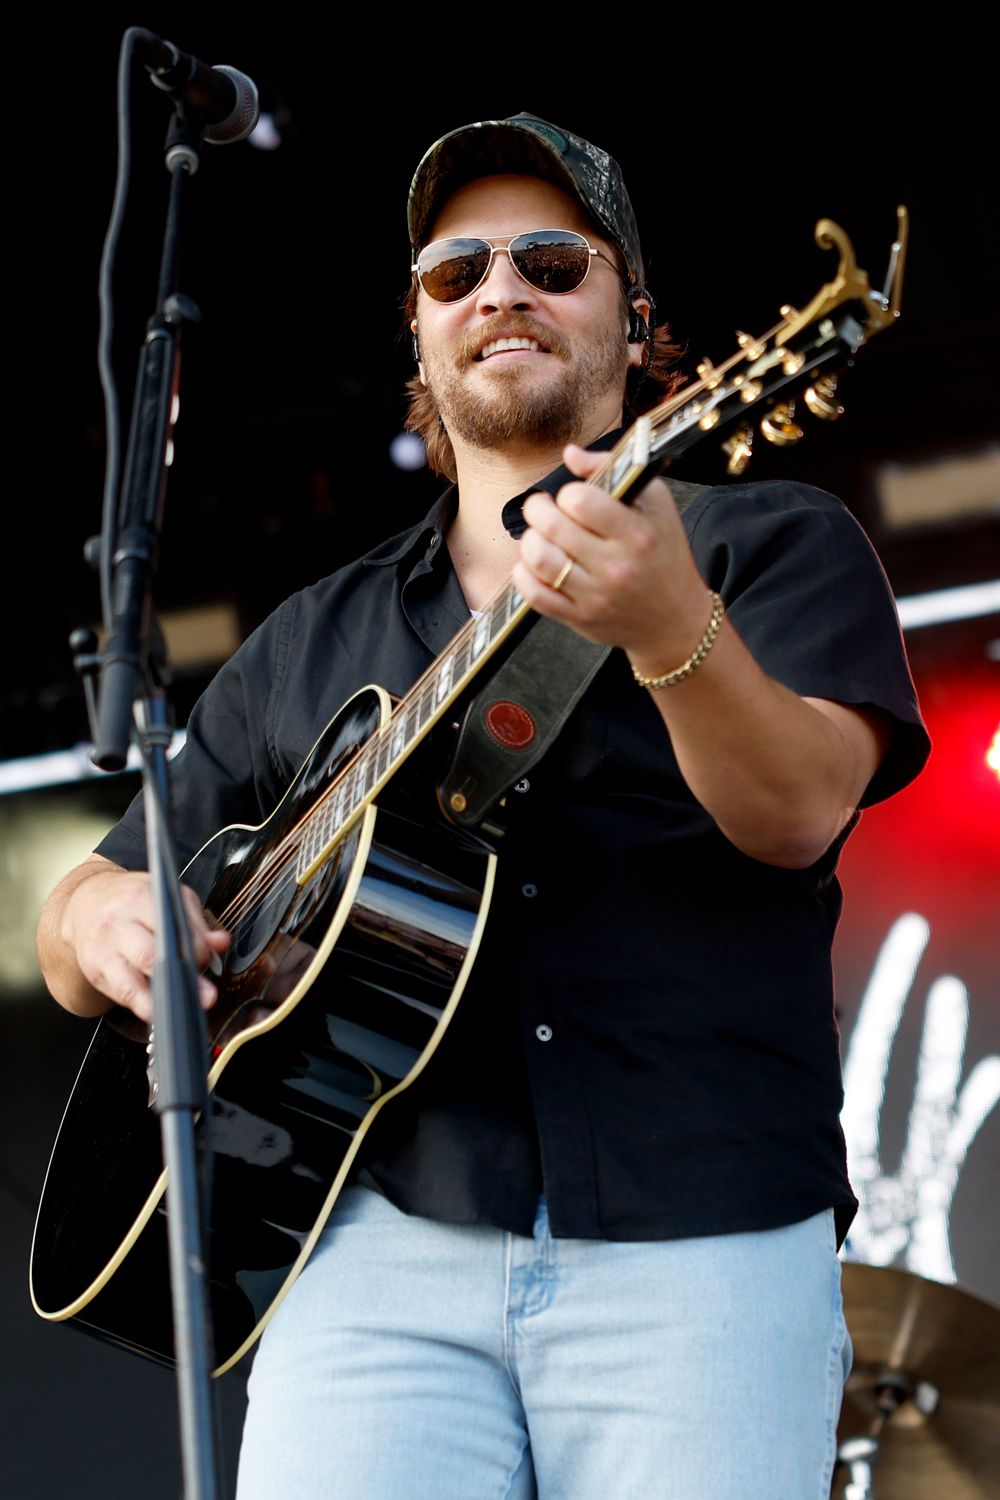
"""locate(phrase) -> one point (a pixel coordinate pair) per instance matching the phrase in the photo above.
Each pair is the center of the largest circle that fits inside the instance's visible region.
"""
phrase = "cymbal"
(938, 1348)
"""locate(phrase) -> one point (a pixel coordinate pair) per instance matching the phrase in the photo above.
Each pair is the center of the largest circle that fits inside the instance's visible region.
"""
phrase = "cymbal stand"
(859, 1453)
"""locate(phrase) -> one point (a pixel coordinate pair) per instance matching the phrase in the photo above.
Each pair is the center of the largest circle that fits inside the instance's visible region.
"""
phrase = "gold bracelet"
(694, 661)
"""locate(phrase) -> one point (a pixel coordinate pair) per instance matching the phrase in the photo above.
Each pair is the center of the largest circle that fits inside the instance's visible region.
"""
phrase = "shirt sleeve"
(810, 599)
(225, 772)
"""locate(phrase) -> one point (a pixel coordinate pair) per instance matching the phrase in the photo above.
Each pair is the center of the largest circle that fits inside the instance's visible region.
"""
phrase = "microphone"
(225, 99)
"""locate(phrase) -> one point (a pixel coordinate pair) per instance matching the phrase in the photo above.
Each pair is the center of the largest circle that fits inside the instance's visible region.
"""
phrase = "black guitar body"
(332, 997)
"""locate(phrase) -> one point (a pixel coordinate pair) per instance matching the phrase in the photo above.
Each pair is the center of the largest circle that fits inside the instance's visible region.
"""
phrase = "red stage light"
(935, 848)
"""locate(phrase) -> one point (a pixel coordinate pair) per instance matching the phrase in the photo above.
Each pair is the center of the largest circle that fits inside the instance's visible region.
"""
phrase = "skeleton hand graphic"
(910, 1210)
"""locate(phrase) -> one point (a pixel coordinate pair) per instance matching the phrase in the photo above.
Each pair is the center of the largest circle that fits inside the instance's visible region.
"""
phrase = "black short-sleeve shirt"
(648, 1033)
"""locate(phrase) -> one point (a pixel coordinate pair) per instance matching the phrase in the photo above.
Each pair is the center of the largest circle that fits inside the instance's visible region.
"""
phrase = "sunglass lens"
(450, 269)
(551, 260)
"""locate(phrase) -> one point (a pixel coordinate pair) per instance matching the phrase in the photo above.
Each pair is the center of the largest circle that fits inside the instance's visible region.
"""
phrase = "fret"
(398, 735)
(445, 678)
(349, 799)
(480, 637)
(317, 835)
(350, 795)
(333, 817)
(304, 858)
(333, 811)
(313, 842)
(460, 660)
(383, 757)
(366, 769)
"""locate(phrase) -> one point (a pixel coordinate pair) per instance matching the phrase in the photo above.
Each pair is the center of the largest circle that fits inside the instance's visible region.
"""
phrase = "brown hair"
(645, 388)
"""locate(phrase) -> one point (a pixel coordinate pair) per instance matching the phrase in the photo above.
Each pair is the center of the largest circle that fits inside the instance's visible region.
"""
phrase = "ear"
(639, 332)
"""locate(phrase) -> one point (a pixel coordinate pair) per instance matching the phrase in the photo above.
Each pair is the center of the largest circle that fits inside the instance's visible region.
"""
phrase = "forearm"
(56, 947)
(780, 774)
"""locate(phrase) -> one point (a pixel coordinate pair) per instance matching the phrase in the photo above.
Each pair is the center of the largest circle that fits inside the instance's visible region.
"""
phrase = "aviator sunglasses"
(554, 261)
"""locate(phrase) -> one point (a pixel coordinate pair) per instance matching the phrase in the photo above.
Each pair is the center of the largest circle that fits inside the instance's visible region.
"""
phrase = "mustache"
(510, 325)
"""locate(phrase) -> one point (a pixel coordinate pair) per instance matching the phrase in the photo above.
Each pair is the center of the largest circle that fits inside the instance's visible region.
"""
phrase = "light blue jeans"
(421, 1361)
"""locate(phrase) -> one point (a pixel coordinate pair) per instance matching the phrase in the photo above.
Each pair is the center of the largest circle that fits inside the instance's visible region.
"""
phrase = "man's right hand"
(96, 942)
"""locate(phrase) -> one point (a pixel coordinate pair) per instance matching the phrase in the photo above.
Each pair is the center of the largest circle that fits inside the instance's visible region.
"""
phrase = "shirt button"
(435, 538)
(529, 890)
(543, 1033)
(522, 785)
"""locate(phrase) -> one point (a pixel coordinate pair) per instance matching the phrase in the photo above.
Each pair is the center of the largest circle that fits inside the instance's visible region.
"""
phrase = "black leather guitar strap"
(510, 724)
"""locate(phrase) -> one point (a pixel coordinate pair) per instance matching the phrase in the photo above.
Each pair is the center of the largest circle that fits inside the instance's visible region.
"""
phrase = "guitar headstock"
(758, 386)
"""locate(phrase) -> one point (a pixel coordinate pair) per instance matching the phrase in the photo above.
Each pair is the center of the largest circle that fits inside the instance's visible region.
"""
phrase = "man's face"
(569, 387)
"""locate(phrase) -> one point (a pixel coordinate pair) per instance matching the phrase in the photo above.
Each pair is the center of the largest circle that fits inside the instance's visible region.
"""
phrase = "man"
(591, 1252)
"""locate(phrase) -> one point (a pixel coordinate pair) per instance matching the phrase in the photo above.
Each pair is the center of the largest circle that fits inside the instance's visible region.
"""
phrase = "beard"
(514, 407)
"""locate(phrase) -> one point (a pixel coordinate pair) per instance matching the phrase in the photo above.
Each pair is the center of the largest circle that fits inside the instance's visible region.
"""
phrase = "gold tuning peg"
(779, 428)
(752, 348)
(709, 374)
(821, 399)
(740, 450)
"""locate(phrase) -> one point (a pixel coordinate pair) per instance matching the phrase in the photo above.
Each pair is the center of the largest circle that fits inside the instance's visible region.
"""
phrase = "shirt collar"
(425, 536)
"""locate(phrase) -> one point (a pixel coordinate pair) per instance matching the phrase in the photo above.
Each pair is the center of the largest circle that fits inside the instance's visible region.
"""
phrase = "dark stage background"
(292, 392)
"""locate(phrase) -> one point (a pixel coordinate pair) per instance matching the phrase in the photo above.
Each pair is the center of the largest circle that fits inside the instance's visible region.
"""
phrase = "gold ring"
(564, 573)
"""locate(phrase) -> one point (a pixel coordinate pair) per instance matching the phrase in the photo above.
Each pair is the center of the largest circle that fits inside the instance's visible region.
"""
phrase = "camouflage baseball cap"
(524, 143)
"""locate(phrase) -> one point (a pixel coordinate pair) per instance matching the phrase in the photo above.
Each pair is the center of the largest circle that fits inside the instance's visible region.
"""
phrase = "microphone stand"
(133, 671)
